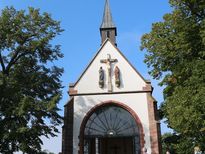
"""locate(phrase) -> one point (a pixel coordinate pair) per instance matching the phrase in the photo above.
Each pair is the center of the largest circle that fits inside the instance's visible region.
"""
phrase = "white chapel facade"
(111, 109)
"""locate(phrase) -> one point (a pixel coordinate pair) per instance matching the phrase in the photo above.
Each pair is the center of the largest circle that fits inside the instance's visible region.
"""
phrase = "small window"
(108, 34)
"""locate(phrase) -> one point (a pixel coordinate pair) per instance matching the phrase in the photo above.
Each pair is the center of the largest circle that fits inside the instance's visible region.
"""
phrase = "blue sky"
(81, 20)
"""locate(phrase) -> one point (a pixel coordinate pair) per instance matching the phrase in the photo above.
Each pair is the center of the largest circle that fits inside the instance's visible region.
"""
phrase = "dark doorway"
(116, 146)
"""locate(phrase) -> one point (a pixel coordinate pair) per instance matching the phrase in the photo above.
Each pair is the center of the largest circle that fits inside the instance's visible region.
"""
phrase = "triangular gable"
(93, 60)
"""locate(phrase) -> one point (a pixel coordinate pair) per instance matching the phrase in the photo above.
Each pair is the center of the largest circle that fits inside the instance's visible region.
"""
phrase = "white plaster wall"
(130, 80)
(137, 102)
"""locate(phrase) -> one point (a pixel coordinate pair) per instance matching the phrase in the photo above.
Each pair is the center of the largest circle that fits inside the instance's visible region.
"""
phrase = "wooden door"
(116, 146)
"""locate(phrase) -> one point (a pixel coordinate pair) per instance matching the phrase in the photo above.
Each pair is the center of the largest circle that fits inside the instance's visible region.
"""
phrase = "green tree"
(177, 144)
(30, 86)
(168, 143)
(176, 56)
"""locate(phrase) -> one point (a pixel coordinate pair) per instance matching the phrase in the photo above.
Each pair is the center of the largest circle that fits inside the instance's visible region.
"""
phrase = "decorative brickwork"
(111, 102)
(148, 88)
(72, 92)
(154, 126)
(67, 134)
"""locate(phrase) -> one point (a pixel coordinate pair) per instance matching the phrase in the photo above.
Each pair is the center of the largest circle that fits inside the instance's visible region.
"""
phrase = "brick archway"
(107, 103)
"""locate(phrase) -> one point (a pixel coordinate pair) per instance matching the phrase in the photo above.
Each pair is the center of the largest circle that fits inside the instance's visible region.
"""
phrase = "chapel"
(111, 108)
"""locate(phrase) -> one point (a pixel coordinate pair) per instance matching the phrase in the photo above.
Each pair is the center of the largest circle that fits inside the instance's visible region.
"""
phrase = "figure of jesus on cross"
(109, 62)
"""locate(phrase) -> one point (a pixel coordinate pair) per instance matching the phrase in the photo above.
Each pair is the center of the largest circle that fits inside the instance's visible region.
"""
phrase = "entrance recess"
(117, 146)
(111, 130)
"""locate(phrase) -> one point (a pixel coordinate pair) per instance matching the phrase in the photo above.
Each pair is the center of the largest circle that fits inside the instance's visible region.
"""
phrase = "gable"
(130, 79)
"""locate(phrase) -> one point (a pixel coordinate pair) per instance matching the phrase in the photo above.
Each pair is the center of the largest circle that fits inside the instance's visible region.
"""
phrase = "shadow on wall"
(82, 106)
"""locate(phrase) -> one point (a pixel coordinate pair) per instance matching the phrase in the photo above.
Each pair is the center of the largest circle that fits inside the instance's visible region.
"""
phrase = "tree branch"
(191, 6)
(2, 63)
(16, 55)
(13, 61)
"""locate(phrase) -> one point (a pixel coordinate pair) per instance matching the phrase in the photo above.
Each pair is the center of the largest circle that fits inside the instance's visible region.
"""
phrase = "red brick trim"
(67, 132)
(72, 92)
(154, 126)
(148, 87)
(110, 102)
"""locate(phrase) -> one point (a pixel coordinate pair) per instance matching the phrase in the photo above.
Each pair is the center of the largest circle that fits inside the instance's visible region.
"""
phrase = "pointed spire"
(108, 29)
(107, 18)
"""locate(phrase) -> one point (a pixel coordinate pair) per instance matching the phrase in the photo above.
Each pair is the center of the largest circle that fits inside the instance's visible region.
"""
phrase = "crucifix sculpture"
(109, 62)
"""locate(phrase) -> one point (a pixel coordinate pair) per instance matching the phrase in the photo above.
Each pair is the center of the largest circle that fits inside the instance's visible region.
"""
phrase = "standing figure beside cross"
(109, 62)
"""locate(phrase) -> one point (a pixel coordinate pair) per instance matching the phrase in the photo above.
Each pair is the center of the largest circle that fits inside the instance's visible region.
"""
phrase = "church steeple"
(108, 29)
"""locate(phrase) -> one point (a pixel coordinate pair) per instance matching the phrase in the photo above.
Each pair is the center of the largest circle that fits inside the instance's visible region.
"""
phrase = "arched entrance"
(111, 128)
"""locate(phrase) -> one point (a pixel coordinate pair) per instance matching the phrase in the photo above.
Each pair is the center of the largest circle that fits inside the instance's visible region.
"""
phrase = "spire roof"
(107, 18)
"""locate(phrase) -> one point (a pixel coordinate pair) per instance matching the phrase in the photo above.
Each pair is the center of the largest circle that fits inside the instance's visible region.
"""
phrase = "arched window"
(110, 125)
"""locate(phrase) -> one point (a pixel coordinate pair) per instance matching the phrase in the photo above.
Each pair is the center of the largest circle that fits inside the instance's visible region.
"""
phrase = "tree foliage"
(176, 55)
(176, 144)
(30, 86)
